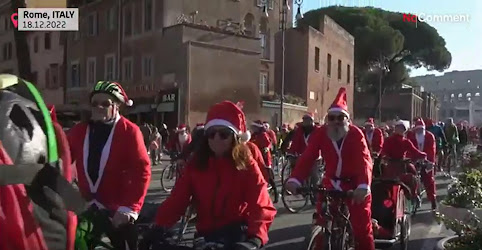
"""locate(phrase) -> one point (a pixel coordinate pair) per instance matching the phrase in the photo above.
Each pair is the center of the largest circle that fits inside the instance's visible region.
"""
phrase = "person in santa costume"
(348, 167)
(197, 135)
(113, 166)
(395, 149)
(224, 181)
(271, 134)
(260, 138)
(374, 136)
(425, 142)
(179, 140)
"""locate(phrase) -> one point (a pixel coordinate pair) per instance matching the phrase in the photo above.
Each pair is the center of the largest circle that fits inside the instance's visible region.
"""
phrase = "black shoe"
(434, 205)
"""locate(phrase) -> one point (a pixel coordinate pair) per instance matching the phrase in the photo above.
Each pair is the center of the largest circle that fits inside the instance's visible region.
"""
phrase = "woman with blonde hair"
(226, 186)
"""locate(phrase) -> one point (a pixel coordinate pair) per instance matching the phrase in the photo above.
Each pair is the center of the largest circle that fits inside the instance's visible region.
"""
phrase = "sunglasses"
(223, 133)
(339, 118)
(104, 104)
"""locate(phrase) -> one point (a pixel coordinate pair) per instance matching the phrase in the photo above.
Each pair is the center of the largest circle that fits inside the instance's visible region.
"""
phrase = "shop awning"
(141, 108)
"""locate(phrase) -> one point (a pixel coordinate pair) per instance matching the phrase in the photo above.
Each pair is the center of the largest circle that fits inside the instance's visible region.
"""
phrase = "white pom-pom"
(129, 102)
(245, 136)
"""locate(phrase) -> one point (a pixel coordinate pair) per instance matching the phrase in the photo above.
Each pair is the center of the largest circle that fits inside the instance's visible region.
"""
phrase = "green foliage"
(469, 233)
(383, 33)
(466, 190)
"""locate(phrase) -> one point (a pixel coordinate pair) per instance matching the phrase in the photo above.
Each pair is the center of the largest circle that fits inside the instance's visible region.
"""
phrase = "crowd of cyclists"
(227, 166)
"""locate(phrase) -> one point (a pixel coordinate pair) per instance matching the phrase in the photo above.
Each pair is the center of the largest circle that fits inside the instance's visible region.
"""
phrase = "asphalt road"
(288, 230)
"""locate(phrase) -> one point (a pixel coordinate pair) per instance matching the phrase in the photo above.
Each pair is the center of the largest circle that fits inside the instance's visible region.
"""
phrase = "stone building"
(318, 63)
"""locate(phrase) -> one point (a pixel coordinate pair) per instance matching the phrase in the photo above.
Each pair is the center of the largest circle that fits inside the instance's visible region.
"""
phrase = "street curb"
(441, 243)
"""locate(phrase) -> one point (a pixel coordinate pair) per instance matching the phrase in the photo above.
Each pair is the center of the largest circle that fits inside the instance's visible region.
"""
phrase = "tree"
(21, 46)
(382, 36)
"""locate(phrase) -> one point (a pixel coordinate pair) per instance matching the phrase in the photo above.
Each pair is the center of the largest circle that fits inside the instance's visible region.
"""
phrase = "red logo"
(14, 17)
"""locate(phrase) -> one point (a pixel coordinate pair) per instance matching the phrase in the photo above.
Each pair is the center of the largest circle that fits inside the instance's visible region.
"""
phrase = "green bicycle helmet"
(26, 128)
(114, 89)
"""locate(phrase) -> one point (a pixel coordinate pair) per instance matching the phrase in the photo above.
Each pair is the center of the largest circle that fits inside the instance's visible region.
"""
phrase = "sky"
(463, 39)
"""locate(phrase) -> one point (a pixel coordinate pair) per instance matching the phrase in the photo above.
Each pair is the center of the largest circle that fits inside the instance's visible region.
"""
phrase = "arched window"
(264, 37)
(468, 95)
(452, 96)
(477, 94)
(250, 28)
(460, 96)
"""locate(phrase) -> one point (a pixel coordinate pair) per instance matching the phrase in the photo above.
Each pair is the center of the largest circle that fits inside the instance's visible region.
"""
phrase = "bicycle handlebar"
(325, 192)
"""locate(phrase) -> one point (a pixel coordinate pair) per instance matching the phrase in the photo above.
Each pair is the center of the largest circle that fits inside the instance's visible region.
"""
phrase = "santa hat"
(53, 113)
(339, 104)
(370, 121)
(257, 123)
(229, 115)
(403, 123)
(181, 128)
(266, 124)
(200, 125)
(284, 126)
(419, 124)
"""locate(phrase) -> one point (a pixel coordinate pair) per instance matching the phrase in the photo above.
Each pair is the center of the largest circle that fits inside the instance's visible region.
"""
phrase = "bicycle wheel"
(317, 240)
(285, 171)
(184, 224)
(168, 178)
(294, 203)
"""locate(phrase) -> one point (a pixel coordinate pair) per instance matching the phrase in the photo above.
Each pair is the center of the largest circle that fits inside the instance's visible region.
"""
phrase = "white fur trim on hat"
(181, 130)
(420, 126)
(129, 102)
(337, 109)
(257, 125)
(200, 127)
(246, 136)
(404, 123)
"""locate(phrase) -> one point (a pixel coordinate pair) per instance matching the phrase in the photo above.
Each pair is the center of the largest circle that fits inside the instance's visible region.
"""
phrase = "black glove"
(154, 238)
(250, 244)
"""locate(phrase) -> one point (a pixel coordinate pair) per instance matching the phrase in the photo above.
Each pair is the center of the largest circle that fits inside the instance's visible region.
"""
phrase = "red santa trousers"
(361, 222)
(428, 181)
(395, 170)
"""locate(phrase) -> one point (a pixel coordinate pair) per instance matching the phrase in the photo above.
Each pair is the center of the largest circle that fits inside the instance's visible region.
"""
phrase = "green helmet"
(114, 89)
(26, 128)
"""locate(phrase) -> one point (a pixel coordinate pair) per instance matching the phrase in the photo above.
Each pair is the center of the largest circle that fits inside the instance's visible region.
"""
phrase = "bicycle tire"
(310, 243)
(285, 194)
(184, 224)
(165, 173)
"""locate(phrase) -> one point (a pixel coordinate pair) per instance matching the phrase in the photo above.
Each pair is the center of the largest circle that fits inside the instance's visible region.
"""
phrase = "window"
(262, 3)
(348, 73)
(7, 51)
(75, 74)
(109, 67)
(47, 40)
(92, 24)
(91, 70)
(263, 83)
(264, 37)
(317, 59)
(127, 22)
(328, 65)
(249, 25)
(54, 75)
(339, 69)
(148, 15)
(47, 79)
(127, 69)
(35, 44)
(111, 17)
(147, 66)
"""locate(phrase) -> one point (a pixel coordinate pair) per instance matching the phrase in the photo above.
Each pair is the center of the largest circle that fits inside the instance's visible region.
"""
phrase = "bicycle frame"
(336, 223)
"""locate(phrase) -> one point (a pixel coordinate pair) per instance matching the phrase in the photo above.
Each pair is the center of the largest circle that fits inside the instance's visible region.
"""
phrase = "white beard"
(183, 138)
(337, 133)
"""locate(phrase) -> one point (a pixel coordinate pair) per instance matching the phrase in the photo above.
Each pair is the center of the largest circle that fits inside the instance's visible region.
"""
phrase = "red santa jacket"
(18, 228)
(272, 136)
(258, 157)
(264, 144)
(397, 146)
(426, 145)
(174, 144)
(299, 141)
(222, 195)
(374, 140)
(124, 167)
(349, 161)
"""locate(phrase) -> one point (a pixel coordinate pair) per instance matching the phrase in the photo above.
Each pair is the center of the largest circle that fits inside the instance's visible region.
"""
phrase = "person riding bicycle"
(35, 171)
(452, 135)
(271, 135)
(425, 142)
(196, 139)
(374, 136)
(348, 167)
(113, 167)
(283, 133)
(440, 140)
(395, 149)
(225, 184)
(261, 139)
(179, 140)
